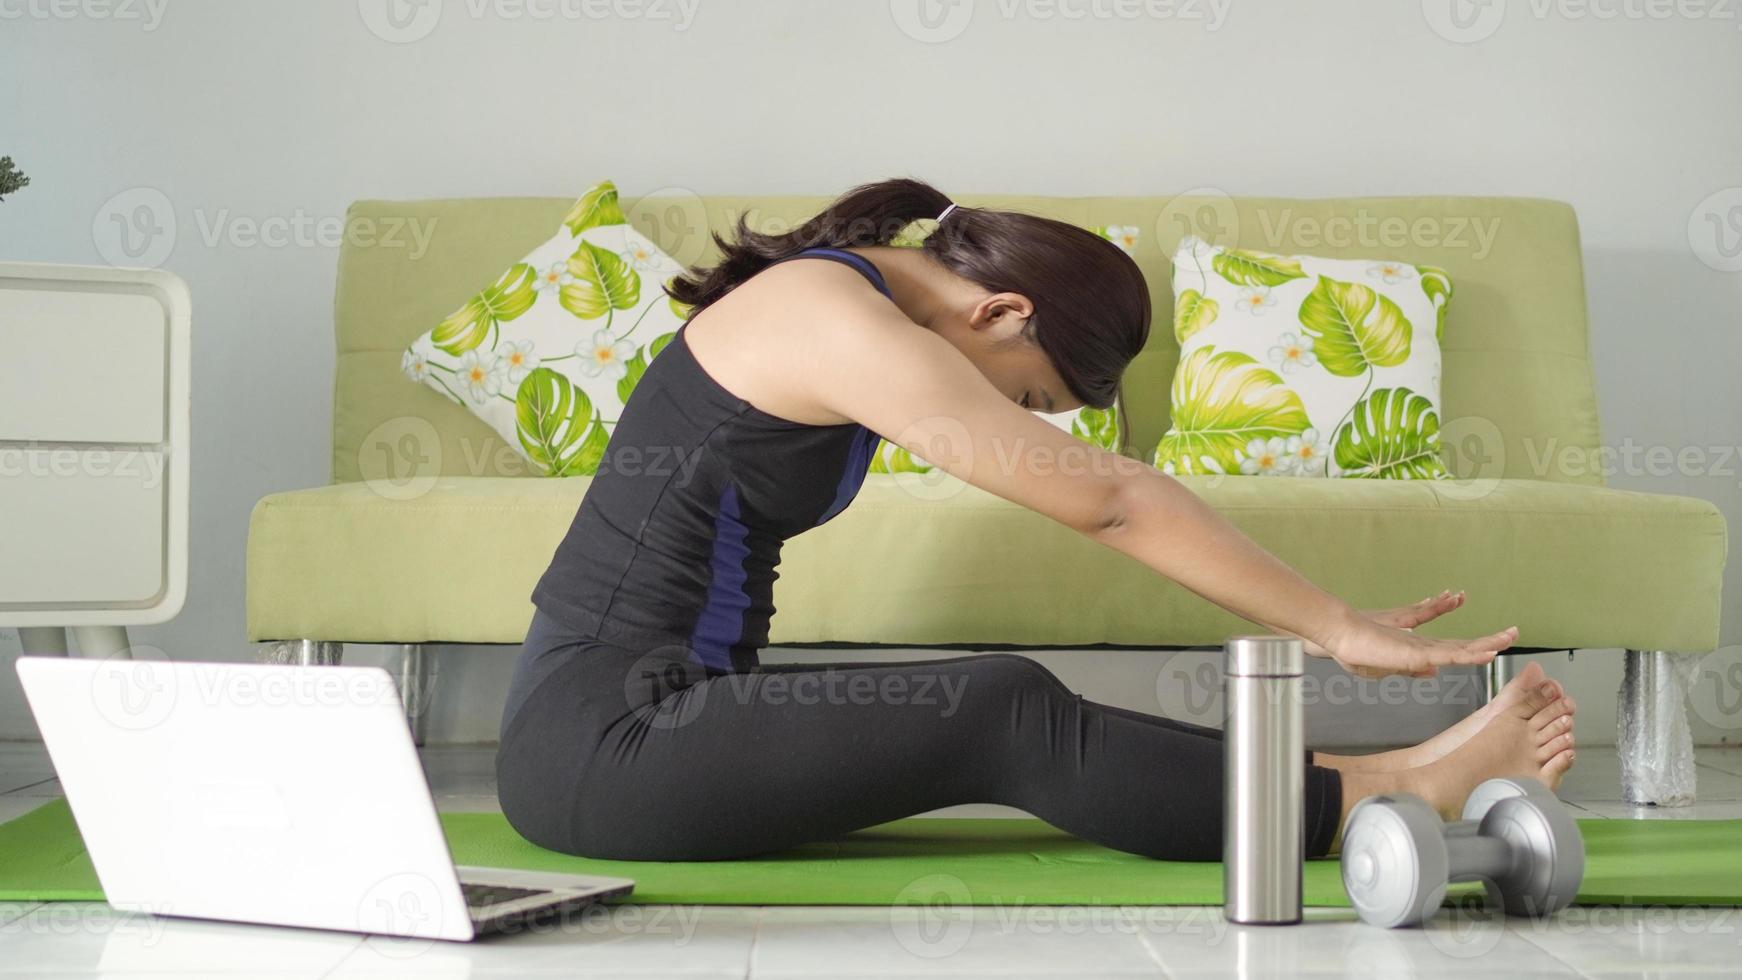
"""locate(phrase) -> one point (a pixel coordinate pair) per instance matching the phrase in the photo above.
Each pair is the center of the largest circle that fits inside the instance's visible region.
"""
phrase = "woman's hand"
(1402, 617)
(1370, 647)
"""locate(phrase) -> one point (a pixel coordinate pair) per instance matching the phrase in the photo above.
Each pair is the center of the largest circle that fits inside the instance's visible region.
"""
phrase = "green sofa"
(418, 485)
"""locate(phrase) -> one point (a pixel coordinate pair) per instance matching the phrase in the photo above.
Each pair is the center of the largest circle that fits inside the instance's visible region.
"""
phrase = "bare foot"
(1441, 745)
(1525, 732)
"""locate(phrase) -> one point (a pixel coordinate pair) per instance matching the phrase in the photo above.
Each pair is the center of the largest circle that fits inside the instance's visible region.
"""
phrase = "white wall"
(247, 113)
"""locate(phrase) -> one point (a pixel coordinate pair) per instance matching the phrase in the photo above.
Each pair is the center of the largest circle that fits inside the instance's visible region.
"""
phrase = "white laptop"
(266, 793)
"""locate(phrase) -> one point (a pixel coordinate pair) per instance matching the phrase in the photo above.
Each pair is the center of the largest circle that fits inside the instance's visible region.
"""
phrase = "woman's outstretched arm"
(871, 364)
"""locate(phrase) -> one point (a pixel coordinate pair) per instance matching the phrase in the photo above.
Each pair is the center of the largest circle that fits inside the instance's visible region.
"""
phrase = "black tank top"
(677, 539)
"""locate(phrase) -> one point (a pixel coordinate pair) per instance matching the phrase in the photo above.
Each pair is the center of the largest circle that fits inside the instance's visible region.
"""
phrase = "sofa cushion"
(547, 353)
(1303, 366)
(918, 561)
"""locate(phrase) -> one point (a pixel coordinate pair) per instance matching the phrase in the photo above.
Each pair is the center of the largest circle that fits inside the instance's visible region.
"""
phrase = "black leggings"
(636, 755)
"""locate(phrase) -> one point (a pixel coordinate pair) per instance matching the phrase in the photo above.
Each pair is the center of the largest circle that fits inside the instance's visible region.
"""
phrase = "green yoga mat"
(961, 861)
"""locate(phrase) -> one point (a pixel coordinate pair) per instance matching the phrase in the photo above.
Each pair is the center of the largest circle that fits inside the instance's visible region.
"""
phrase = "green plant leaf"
(602, 282)
(1354, 328)
(1437, 284)
(1393, 434)
(468, 326)
(659, 343)
(637, 366)
(902, 461)
(914, 234)
(1243, 268)
(11, 178)
(550, 417)
(1098, 427)
(1193, 312)
(680, 310)
(596, 208)
(591, 451)
(878, 465)
(1222, 402)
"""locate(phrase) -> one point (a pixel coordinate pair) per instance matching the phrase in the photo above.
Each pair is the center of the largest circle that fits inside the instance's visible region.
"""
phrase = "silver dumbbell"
(1398, 856)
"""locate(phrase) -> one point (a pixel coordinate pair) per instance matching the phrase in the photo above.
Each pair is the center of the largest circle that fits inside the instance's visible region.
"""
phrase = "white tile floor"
(88, 939)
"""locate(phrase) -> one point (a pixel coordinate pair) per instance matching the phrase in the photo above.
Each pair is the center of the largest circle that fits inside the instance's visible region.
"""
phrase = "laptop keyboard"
(479, 896)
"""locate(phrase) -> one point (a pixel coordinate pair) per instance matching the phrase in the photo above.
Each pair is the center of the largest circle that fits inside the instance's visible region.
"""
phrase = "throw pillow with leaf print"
(1096, 426)
(1305, 366)
(548, 353)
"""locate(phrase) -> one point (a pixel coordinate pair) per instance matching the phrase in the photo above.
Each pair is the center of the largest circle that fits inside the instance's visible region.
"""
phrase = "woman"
(639, 724)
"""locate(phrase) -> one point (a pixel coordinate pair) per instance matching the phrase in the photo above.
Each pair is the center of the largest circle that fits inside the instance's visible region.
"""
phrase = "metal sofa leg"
(1499, 671)
(1653, 739)
(107, 642)
(416, 686)
(416, 672)
(42, 641)
(304, 653)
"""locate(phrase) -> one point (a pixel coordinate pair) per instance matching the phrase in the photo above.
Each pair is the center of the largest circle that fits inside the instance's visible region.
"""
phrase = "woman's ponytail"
(871, 214)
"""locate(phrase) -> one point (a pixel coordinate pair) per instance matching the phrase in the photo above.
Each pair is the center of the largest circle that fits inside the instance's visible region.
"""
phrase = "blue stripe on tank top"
(853, 477)
(720, 625)
(866, 267)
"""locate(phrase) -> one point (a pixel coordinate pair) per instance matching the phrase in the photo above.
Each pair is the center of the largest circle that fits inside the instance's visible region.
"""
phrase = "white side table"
(94, 373)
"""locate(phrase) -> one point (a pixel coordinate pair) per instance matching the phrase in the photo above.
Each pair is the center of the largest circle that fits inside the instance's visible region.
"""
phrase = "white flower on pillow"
(1266, 457)
(604, 356)
(641, 256)
(415, 366)
(1255, 299)
(1291, 353)
(1124, 236)
(1391, 273)
(480, 379)
(554, 278)
(517, 359)
(1308, 452)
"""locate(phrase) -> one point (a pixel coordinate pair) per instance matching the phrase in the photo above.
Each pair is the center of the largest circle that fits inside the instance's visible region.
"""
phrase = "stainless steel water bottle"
(1264, 775)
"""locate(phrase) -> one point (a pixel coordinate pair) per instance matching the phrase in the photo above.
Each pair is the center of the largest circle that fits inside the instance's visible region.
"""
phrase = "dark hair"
(1091, 304)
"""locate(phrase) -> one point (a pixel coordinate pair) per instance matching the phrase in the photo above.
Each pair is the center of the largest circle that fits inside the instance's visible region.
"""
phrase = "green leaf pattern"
(636, 367)
(1222, 402)
(680, 310)
(1393, 434)
(581, 334)
(602, 282)
(888, 457)
(1354, 328)
(1097, 426)
(473, 323)
(1243, 268)
(1233, 414)
(1437, 284)
(1192, 312)
(597, 208)
(557, 426)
